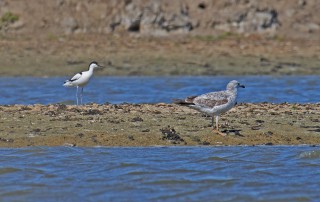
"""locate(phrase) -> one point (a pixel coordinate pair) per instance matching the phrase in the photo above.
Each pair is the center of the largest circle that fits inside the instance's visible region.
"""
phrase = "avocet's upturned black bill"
(81, 79)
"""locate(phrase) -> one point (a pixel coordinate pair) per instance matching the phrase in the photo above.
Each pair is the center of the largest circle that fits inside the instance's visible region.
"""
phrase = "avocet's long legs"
(81, 95)
(77, 94)
(212, 122)
(217, 121)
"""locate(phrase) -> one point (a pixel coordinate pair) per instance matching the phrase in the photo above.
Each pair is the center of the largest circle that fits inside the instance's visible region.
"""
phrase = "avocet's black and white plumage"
(81, 79)
(214, 103)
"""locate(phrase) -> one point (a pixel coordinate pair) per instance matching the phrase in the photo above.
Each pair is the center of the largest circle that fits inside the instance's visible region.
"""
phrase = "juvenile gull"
(81, 79)
(214, 103)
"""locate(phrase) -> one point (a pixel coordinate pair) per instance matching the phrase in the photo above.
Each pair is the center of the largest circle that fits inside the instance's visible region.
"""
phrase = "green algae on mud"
(156, 124)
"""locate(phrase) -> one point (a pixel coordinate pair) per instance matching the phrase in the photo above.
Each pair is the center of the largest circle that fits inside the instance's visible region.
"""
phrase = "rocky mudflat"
(242, 37)
(180, 55)
(156, 124)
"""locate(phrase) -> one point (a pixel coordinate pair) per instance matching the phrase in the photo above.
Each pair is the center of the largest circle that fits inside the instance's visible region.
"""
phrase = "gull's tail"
(178, 101)
(181, 102)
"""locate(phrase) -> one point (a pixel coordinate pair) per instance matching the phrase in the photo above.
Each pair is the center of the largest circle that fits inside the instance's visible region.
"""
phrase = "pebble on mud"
(78, 125)
(136, 119)
(256, 127)
(145, 130)
(6, 140)
(205, 143)
(80, 135)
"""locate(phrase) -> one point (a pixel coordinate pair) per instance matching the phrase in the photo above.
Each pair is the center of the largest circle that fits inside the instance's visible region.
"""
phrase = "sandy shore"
(156, 124)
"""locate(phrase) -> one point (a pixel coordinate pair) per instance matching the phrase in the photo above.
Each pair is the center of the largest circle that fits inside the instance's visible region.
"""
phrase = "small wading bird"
(214, 103)
(81, 79)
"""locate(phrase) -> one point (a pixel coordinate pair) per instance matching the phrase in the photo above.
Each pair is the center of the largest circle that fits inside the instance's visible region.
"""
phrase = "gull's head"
(233, 85)
(94, 64)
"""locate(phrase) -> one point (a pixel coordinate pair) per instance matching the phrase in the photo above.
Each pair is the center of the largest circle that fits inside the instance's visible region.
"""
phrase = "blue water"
(28, 90)
(277, 173)
(260, 173)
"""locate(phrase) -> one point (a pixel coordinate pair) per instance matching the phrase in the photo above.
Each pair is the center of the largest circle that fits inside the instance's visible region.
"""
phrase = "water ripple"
(7, 170)
(315, 154)
(279, 173)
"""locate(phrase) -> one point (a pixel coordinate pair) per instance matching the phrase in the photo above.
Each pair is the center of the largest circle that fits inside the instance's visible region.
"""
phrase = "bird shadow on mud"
(234, 131)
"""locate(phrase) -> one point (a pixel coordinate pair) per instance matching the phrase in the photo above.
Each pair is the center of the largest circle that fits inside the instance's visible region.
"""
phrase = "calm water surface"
(27, 90)
(261, 173)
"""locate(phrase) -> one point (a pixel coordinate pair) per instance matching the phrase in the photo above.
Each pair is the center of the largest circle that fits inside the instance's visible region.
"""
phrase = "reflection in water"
(260, 173)
(27, 90)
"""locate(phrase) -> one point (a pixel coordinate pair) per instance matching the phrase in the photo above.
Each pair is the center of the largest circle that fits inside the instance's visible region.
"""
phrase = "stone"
(17, 25)
(69, 25)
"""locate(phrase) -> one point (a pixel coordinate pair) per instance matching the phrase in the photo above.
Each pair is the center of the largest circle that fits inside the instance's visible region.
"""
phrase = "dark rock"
(262, 59)
(36, 130)
(81, 135)
(23, 108)
(75, 110)
(269, 133)
(205, 143)
(61, 107)
(169, 133)
(93, 138)
(145, 130)
(51, 113)
(93, 112)
(78, 125)
(302, 3)
(202, 5)
(137, 119)
(6, 140)
(256, 127)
